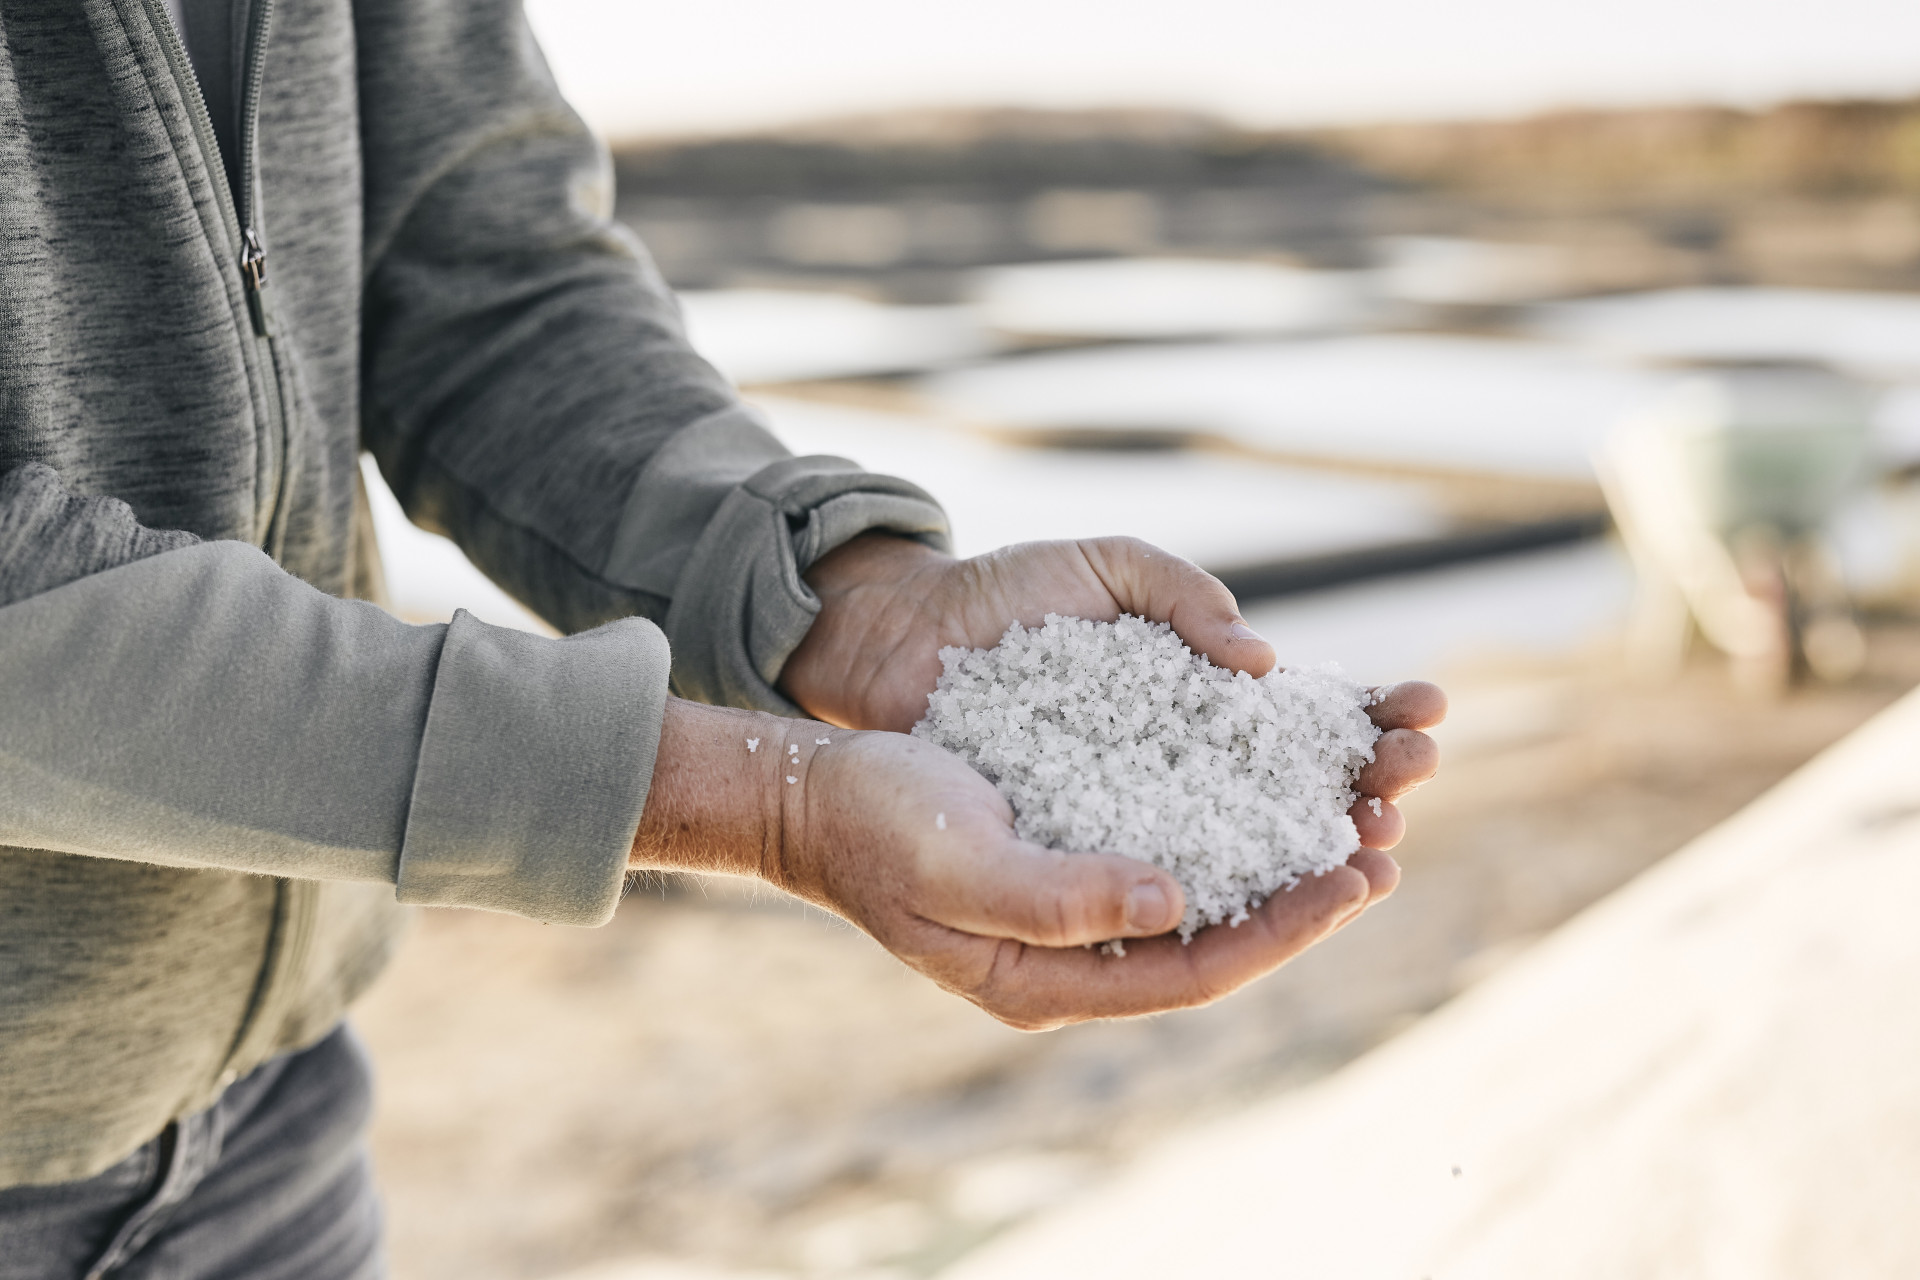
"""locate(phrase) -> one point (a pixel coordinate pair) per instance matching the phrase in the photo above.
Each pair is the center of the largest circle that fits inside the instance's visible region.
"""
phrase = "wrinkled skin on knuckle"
(1004, 992)
(1062, 915)
(960, 964)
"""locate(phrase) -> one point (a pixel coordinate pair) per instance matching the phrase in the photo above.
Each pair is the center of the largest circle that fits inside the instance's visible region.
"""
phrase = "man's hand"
(918, 850)
(888, 605)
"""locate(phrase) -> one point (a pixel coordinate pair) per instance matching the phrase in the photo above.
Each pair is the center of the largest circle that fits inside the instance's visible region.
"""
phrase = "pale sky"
(638, 67)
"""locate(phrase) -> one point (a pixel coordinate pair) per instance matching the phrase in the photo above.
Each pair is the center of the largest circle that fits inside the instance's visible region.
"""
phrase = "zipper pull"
(253, 259)
(253, 267)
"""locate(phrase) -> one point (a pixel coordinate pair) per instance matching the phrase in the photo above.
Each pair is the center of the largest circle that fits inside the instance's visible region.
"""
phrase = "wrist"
(876, 556)
(873, 592)
(729, 792)
(708, 805)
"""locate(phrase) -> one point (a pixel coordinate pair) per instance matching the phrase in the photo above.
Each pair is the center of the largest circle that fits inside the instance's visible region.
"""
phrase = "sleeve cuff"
(533, 769)
(740, 608)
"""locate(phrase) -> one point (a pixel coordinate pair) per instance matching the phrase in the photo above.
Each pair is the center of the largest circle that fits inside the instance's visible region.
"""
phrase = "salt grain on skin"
(753, 745)
(1113, 736)
(1374, 804)
(821, 742)
(791, 778)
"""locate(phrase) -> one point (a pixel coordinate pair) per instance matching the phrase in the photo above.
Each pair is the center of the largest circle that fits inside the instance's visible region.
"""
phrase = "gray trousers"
(272, 1182)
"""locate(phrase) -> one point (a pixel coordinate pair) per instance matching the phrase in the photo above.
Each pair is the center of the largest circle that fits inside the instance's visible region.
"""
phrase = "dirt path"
(730, 1077)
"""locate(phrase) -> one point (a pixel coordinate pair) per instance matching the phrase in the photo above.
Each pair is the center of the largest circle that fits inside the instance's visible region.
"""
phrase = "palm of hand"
(889, 606)
(920, 851)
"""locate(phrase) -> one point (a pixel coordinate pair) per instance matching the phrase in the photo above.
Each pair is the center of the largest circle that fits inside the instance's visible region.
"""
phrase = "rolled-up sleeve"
(533, 769)
(723, 522)
(191, 704)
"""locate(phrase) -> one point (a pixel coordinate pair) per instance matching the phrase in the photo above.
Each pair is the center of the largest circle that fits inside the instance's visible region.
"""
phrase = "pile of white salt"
(1114, 737)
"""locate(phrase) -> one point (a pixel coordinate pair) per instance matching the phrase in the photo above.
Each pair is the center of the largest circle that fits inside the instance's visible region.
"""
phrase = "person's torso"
(133, 362)
(139, 361)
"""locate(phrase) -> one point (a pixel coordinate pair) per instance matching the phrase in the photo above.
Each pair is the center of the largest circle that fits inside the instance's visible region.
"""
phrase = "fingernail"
(1148, 908)
(1241, 631)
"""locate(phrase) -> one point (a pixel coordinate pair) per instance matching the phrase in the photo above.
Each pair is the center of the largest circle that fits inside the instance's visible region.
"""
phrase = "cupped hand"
(911, 845)
(919, 851)
(889, 605)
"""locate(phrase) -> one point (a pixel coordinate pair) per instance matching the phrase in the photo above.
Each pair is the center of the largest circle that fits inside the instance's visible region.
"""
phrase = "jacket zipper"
(253, 259)
(296, 901)
(239, 212)
(253, 254)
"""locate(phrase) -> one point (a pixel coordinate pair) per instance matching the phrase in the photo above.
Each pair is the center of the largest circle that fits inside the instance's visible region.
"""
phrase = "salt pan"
(1114, 737)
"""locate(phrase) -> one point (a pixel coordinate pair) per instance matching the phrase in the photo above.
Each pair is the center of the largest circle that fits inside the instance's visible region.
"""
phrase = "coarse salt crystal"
(753, 745)
(1114, 737)
(791, 778)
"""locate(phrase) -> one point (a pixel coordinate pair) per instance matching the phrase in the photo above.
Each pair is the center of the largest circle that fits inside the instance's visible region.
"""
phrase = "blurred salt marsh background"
(1604, 418)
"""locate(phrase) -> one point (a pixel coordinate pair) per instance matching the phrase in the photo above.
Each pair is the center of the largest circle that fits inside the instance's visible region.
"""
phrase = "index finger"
(1161, 587)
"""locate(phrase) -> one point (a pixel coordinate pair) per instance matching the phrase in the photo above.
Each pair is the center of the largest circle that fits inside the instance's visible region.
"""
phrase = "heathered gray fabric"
(319, 704)
(49, 537)
(250, 765)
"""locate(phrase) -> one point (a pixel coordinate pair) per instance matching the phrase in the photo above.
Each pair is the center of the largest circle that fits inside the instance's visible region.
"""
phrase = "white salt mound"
(1113, 737)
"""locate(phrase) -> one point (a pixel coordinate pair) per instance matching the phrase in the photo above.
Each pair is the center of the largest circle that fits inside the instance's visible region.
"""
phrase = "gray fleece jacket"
(219, 771)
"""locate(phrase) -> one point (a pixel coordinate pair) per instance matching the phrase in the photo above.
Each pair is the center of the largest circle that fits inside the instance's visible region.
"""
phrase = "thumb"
(1160, 587)
(1012, 889)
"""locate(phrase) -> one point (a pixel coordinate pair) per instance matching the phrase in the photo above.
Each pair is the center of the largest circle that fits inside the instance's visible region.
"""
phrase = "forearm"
(196, 706)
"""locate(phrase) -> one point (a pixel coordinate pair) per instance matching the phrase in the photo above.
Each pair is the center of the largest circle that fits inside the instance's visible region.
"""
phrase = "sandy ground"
(728, 1077)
